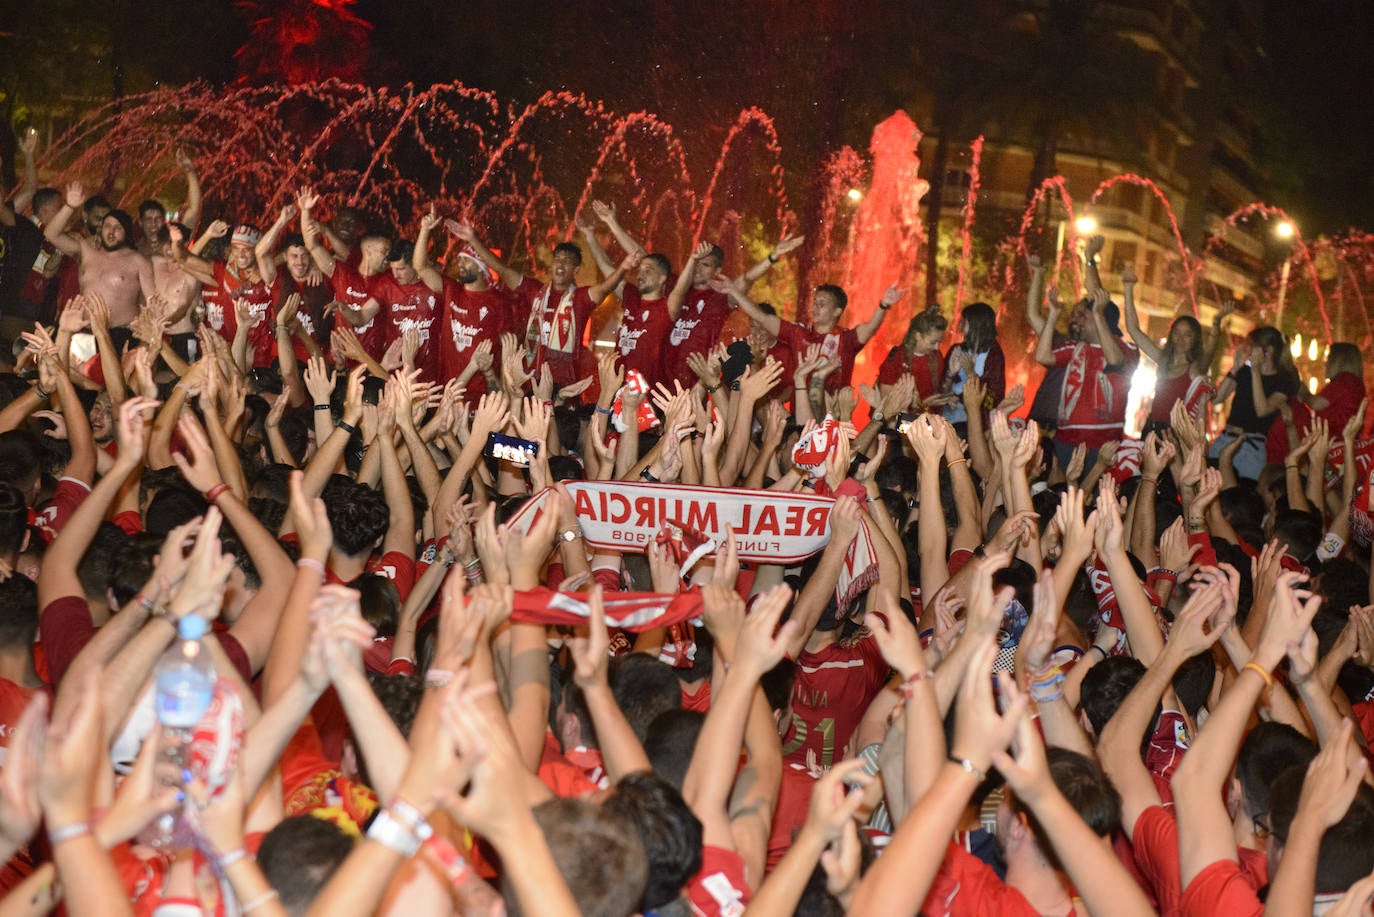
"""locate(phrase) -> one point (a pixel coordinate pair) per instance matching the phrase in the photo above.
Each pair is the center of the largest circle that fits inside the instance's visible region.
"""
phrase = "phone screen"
(511, 449)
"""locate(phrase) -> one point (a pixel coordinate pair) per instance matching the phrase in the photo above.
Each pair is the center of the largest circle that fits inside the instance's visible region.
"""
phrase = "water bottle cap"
(191, 627)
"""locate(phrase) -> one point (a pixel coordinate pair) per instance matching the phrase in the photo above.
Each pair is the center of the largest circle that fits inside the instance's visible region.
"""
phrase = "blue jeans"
(1250, 457)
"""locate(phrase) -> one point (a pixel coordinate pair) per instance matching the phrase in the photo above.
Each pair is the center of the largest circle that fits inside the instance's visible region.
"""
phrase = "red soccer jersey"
(833, 689)
(310, 313)
(406, 306)
(471, 317)
(695, 330)
(66, 497)
(842, 343)
(556, 322)
(965, 886)
(643, 329)
(1092, 404)
(926, 368)
(353, 289)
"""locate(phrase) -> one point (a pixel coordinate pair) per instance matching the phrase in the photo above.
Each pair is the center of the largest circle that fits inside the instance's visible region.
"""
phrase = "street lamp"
(1086, 226)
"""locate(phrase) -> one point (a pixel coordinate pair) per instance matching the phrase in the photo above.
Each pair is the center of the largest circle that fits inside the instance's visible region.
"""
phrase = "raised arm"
(845, 519)
(770, 323)
(1092, 280)
(1044, 340)
(264, 250)
(55, 231)
(190, 214)
(1111, 348)
(1142, 340)
(616, 277)
(762, 266)
(510, 277)
(419, 259)
(891, 296)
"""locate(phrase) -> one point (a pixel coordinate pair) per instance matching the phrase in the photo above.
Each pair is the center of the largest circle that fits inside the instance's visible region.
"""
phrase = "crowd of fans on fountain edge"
(709, 646)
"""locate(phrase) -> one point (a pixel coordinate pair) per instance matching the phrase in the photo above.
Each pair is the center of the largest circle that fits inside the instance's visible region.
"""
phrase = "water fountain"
(525, 174)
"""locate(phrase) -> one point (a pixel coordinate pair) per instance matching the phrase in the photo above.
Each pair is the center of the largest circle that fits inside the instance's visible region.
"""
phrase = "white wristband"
(1331, 546)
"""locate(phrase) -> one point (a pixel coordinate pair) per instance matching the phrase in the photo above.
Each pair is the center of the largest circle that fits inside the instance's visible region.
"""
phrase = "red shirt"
(557, 321)
(310, 312)
(695, 330)
(1167, 745)
(643, 329)
(353, 289)
(965, 886)
(66, 497)
(1220, 890)
(261, 299)
(1155, 843)
(926, 368)
(842, 343)
(471, 317)
(406, 306)
(1092, 404)
(13, 699)
(720, 889)
(833, 689)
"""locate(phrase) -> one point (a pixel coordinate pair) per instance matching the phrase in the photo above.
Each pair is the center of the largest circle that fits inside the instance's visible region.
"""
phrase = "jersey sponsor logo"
(463, 335)
(682, 330)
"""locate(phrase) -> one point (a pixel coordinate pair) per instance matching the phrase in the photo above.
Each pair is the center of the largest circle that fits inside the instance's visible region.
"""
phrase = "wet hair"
(292, 240)
(18, 613)
(1268, 750)
(662, 261)
(644, 688)
(94, 203)
(97, 566)
(980, 327)
(1193, 682)
(299, 856)
(151, 205)
(667, 829)
(839, 295)
(568, 248)
(670, 742)
(1244, 509)
(717, 254)
(597, 853)
(1105, 687)
(401, 250)
(125, 221)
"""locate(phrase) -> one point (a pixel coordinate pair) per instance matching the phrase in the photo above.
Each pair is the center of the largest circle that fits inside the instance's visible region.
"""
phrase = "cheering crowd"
(508, 620)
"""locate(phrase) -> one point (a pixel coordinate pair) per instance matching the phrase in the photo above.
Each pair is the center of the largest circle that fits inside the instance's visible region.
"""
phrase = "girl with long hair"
(1263, 378)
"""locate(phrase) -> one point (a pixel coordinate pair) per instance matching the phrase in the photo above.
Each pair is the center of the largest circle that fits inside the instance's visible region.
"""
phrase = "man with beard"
(113, 268)
(646, 316)
(238, 279)
(473, 312)
(152, 216)
(556, 313)
(403, 303)
(350, 278)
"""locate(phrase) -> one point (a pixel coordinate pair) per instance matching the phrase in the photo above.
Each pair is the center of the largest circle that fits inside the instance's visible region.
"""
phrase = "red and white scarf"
(560, 331)
(770, 526)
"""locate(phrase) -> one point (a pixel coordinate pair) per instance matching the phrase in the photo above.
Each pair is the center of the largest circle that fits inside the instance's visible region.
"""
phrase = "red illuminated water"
(523, 174)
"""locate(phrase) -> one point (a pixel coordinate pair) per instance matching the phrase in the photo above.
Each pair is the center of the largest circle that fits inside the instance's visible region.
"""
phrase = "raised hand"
(891, 296)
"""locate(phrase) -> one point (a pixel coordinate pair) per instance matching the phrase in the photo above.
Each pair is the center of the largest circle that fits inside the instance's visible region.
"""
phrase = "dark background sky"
(827, 70)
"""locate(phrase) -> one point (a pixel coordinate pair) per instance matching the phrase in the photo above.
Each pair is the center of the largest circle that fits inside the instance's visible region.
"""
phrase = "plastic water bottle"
(184, 680)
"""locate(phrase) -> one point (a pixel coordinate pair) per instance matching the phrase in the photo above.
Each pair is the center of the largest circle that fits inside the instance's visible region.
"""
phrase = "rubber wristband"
(214, 493)
(347, 427)
(269, 895)
(310, 563)
(607, 411)
(321, 407)
(1259, 670)
(908, 687)
(232, 857)
(957, 461)
(68, 833)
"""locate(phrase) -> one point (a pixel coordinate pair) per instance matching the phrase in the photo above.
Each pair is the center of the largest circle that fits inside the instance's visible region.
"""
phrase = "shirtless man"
(111, 266)
(152, 216)
(179, 279)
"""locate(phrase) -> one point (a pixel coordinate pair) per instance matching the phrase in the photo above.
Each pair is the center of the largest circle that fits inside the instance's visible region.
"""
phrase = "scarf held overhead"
(770, 526)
